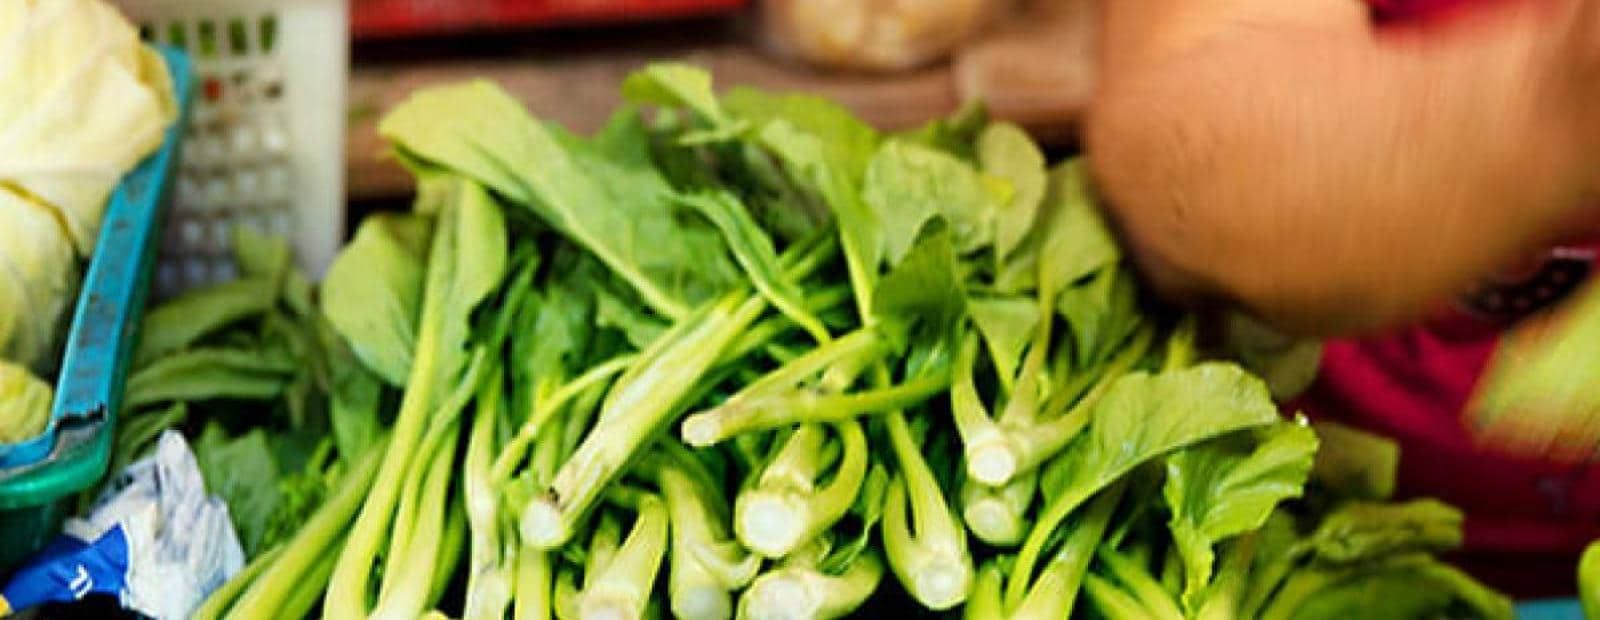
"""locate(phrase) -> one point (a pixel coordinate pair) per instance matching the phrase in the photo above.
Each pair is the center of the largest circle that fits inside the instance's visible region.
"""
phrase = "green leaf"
(1229, 486)
(922, 299)
(187, 318)
(244, 473)
(605, 196)
(1008, 324)
(1360, 531)
(907, 185)
(1075, 240)
(373, 293)
(1355, 464)
(210, 373)
(675, 84)
(825, 149)
(754, 251)
(1142, 417)
(1005, 151)
(261, 256)
(355, 396)
(956, 134)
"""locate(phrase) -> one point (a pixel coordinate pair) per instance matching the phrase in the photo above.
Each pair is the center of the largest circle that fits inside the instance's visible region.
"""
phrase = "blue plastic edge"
(111, 301)
(1550, 609)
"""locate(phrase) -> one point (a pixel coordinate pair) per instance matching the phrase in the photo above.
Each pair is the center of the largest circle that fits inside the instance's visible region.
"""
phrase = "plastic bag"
(155, 539)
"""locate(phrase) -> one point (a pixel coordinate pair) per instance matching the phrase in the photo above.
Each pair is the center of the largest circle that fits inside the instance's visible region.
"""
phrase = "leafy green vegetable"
(244, 472)
(373, 292)
(1223, 488)
(1006, 152)
(24, 403)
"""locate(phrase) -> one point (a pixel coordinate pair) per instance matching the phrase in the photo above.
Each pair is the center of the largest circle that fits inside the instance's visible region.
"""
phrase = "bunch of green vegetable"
(743, 355)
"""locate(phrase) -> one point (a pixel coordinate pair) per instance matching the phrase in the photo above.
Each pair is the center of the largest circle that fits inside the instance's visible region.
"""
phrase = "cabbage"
(81, 102)
(38, 274)
(24, 403)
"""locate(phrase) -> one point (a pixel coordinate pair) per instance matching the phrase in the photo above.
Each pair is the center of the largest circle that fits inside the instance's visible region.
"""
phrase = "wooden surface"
(581, 89)
(1033, 68)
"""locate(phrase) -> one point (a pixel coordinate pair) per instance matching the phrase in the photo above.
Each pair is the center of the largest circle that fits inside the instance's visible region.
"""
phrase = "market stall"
(722, 311)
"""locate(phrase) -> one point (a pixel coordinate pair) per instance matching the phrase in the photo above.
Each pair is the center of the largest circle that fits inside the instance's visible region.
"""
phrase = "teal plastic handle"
(75, 448)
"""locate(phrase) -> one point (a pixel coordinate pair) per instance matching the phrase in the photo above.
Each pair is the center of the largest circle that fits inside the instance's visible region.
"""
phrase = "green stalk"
(784, 509)
(1223, 599)
(798, 591)
(1264, 581)
(984, 604)
(1112, 602)
(319, 536)
(450, 547)
(405, 591)
(534, 572)
(305, 598)
(932, 563)
(864, 342)
(1303, 585)
(639, 404)
(489, 579)
(999, 516)
(706, 565)
(516, 449)
(219, 601)
(1144, 588)
(442, 427)
(621, 589)
(805, 406)
(1055, 592)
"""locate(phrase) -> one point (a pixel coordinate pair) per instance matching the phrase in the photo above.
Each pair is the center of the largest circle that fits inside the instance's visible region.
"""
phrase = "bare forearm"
(1329, 181)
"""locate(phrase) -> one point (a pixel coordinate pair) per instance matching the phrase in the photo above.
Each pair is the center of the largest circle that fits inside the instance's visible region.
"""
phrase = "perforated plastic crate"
(265, 144)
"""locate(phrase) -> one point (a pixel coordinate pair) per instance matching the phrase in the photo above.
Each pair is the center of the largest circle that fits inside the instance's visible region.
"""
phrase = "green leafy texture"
(1005, 151)
(956, 134)
(825, 149)
(1140, 418)
(1076, 242)
(354, 397)
(373, 292)
(753, 250)
(1359, 531)
(1589, 580)
(210, 373)
(906, 185)
(603, 195)
(922, 300)
(1287, 364)
(1424, 589)
(24, 403)
(1354, 464)
(1101, 312)
(244, 473)
(183, 321)
(284, 583)
(674, 84)
(1008, 324)
(1229, 486)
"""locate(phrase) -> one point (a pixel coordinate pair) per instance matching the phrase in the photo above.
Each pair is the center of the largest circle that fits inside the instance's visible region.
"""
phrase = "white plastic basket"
(265, 146)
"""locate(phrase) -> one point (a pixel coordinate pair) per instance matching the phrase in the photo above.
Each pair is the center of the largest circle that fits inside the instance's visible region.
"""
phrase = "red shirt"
(1526, 518)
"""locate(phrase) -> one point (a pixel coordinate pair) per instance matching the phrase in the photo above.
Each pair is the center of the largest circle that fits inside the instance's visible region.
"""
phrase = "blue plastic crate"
(38, 476)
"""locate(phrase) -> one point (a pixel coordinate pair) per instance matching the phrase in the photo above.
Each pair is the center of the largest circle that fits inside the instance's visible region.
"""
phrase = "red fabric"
(1526, 518)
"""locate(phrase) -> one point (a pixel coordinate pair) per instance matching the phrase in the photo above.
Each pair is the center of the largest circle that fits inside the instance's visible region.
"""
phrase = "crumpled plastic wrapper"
(154, 539)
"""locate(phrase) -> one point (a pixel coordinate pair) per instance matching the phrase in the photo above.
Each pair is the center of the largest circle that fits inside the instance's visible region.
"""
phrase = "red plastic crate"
(398, 18)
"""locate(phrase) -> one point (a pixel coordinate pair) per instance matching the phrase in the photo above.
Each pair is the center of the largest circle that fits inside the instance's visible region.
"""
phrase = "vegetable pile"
(743, 355)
